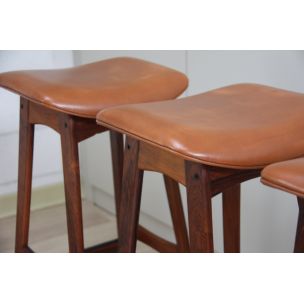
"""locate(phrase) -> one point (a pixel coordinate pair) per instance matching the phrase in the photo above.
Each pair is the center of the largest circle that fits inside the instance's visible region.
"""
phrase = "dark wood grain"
(177, 214)
(152, 158)
(70, 161)
(155, 241)
(130, 197)
(72, 130)
(28, 249)
(25, 167)
(107, 247)
(222, 183)
(117, 151)
(199, 207)
(232, 218)
(299, 241)
(86, 127)
(208, 182)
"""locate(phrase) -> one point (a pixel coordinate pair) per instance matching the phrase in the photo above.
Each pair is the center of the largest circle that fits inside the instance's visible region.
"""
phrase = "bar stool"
(210, 143)
(289, 176)
(67, 101)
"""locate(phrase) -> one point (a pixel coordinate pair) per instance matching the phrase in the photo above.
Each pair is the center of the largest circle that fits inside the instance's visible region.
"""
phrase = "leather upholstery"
(239, 126)
(287, 176)
(86, 89)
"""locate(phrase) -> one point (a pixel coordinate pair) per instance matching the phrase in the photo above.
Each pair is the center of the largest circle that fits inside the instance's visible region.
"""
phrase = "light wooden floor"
(48, 231)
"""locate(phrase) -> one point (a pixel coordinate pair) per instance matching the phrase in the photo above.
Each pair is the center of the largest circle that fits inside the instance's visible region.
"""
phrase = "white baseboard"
(47, 196)
(42, 197)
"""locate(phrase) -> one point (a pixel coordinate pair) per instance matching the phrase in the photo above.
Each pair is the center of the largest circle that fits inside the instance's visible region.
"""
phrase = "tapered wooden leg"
(130, 198)
(70, 161)
(117, 151)
(177, 214)
(26, 145)
(299, 242)
(199, 207)
(231, 218)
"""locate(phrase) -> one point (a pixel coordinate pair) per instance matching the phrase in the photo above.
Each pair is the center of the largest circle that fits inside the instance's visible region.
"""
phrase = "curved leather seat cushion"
(287, 176)
(86, 89)
(239, 126)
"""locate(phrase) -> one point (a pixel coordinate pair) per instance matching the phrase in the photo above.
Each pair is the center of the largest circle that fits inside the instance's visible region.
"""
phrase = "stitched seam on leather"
(267, 182)
(47, 105)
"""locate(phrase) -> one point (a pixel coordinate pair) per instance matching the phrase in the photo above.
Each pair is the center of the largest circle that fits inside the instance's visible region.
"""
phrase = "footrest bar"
(108, 247)
(27, 249)
(154, 241)
(143, 235)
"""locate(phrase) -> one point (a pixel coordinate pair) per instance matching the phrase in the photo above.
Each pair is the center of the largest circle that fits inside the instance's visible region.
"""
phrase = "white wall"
(47, 153)
(268, 216)
(95, 152)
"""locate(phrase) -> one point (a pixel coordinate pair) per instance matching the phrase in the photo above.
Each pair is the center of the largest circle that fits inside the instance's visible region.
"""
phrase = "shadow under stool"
(211, 143)
(67, 101)
(288, 176)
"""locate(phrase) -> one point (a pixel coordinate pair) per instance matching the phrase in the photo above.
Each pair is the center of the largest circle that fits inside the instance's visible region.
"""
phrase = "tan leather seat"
(86, 89)
(287, 176)
(239, 126)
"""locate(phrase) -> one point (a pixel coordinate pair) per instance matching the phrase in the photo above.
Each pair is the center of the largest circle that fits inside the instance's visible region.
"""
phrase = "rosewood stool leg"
(199, 207)
(26, 144)
(130, 198)
(231, 218)
(177, 214)
(117, 151)
(299, 242)
(71, 174)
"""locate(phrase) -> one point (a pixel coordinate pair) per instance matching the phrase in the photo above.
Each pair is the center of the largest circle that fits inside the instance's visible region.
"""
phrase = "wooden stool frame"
(72, 130)
(299, 240)
(202, 183)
